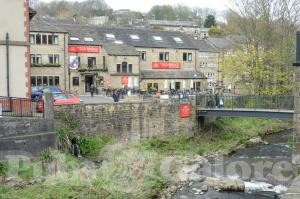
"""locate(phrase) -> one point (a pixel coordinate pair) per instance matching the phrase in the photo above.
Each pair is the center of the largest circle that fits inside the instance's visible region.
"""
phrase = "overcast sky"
(145, 5)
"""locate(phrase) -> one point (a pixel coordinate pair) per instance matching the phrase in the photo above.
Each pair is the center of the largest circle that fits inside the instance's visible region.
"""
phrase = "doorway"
(89, 80)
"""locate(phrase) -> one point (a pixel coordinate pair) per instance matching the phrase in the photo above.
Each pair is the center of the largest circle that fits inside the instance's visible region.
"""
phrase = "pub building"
(114, 58)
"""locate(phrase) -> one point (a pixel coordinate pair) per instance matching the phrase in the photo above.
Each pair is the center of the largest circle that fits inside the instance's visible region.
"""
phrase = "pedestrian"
(217, 99)
(92, 90)
(115, 96)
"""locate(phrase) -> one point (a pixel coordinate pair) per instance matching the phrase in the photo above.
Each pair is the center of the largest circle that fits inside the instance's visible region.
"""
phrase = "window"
(51, 59)
(33, 81)
(50, 39)
(134, 37)
(51, 81)
(44, 39)
(164, 56)
(45, 81)
(110, 36)
(118, 68)
(187, 57)
(118, 42)
(35, 59)
(74, 39)
(55, 40)
(38, 39)
(88, 39)
(32, 39)
(157, 38)
(92, 62)
(39, 81)
(56, 81)
(54, 59)
(178, 39)
(75, 81)
(124, 67)
(143, 55)
(129, 68)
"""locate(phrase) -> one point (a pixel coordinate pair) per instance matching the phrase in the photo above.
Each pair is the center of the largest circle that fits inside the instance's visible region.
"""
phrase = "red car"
(59, 99)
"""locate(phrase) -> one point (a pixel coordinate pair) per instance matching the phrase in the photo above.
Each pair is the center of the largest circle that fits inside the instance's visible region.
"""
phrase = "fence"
(19, 107)
(246, 102)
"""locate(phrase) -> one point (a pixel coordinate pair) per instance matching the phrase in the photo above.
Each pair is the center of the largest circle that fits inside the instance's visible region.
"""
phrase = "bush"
(3, 168)
(63, 139)
(91, 146)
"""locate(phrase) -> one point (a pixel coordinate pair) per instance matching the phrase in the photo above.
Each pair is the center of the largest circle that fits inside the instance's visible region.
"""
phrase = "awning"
(172, 75)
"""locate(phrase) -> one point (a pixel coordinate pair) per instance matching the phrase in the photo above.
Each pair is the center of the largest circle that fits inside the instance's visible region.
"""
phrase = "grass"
(133, 171)
(223, 136)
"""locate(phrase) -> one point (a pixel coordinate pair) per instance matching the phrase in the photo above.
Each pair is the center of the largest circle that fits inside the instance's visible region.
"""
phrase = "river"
(265, 168)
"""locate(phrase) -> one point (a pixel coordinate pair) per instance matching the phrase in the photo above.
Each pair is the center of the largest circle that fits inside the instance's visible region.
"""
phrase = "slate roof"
(206, 46)
(221, 43)
(120, 50)
(149, 74)
(172, 23)
(145, 40)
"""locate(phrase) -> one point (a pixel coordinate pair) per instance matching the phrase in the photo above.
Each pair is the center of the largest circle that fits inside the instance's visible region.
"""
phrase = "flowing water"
(265, 168)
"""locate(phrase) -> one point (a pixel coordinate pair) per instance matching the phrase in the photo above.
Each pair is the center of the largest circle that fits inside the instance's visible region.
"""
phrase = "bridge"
(281, 107)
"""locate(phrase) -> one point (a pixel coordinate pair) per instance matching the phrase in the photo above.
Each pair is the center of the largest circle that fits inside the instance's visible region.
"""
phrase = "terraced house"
(113, 58)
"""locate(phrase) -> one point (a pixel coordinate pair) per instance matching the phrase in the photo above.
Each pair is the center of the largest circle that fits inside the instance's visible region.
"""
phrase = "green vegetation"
(91, 146)
(45, 65)
(129, 171)
(3, 168)
(222, 136)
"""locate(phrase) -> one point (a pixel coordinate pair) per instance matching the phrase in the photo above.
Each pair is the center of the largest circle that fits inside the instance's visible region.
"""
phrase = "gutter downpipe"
(7, 65)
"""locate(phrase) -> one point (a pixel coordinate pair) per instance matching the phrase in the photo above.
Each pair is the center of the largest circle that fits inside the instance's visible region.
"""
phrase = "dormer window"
(177, 39)
(88, 39)
(118, 42)
(74, 39)
(134, 37)
(157, 38)
(110, 36)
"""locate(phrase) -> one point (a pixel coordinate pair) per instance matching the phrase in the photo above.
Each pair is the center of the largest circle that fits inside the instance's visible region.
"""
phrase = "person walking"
(92, 90)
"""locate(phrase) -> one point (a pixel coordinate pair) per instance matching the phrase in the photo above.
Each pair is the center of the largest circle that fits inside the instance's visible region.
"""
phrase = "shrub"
(3, 168)
(91, 146)
(63, 139)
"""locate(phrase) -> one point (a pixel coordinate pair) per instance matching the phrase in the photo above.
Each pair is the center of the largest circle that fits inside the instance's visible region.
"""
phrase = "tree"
(210, 21)
(269, 28)
(215, 32)
(164, 12)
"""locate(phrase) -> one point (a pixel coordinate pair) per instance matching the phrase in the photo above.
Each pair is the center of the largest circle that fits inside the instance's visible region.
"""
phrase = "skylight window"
(110, 36)
(135, 37)
(157, 38)
(118, 42)
(178, 39)
(74, 39)
(88, 39)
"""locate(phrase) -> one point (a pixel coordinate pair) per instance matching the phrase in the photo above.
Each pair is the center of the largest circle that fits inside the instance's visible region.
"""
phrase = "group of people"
(215, 100)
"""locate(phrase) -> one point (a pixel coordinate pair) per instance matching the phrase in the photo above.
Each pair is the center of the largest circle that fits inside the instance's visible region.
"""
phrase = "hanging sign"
(124, 80)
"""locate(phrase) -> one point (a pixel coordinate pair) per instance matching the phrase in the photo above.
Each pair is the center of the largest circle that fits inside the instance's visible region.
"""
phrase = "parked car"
(36, 91)
(52, 89)
(59, 99)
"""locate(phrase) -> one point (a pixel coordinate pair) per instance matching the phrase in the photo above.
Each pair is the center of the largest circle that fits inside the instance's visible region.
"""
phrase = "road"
(96, 99)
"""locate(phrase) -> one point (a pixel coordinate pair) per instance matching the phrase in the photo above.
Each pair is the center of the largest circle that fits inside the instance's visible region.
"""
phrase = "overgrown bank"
(130, 170)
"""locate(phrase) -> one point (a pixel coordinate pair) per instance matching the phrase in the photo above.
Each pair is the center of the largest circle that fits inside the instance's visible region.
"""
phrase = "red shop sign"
(83, 49)
(124, 80)
(185, 110)
(166, 65)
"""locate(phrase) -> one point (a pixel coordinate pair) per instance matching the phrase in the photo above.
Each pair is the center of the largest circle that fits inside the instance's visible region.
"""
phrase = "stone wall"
(130, 121)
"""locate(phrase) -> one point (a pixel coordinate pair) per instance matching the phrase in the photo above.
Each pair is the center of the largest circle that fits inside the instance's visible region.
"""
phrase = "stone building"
(15, 16)
(123, 57)
(208, 63)
(48, 58)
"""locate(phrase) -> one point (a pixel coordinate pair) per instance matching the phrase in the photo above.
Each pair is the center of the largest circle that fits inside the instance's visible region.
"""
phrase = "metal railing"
(246, 102)
(20, 107)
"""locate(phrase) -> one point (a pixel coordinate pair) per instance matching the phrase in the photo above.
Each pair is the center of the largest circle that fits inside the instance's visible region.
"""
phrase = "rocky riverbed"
(260, 171)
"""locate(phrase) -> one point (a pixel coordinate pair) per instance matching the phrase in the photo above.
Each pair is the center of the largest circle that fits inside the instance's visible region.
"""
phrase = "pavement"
(293, 191)
(97, 99)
